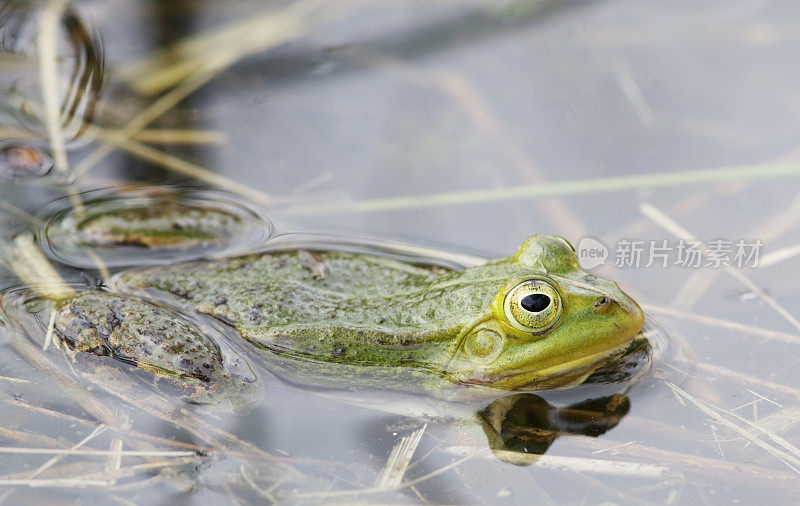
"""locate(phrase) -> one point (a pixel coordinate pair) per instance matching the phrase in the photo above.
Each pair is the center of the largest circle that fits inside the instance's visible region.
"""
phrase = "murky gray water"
(465, 126)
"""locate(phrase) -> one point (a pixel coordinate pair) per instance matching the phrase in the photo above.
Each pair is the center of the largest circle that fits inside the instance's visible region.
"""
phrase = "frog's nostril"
(602, 304)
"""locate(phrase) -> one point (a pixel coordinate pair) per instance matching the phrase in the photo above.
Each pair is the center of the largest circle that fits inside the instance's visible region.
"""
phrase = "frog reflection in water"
(329, 319)
(521, 427)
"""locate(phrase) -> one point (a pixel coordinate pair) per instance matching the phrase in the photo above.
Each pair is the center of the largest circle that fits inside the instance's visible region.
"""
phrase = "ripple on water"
(79, 62)
(147, 226)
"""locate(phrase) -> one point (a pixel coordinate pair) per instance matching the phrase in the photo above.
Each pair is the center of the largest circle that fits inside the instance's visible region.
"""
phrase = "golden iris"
(533, 305)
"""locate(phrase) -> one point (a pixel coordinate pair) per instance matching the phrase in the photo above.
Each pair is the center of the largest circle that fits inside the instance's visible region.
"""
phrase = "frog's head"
(550, 325)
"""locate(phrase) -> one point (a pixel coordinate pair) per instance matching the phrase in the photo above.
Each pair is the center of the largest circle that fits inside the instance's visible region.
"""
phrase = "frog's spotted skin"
(267, 293)
(154, 339)
(350, 320)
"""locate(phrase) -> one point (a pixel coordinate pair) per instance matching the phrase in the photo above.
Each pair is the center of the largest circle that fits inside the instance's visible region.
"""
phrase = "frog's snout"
(634, 313)
(620, 304)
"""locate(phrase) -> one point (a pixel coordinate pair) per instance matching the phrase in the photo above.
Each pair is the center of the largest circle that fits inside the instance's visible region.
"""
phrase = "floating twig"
(765, 334)
(576, 187)
(397, 464)
(49, 24)
(679, 231)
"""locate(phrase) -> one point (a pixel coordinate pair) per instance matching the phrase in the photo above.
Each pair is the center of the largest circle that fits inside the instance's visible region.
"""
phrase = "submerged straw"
(32, 267)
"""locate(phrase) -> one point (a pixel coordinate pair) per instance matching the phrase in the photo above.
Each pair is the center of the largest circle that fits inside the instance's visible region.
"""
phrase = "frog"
(114, 227)
(337, 319)
(166, 225)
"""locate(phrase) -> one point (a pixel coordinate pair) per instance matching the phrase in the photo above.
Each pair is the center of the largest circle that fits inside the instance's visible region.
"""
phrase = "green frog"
(337, 319)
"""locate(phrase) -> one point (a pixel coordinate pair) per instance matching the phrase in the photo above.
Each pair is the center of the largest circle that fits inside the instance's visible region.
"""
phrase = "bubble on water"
(22, 161)
(149, 226)
(748, 296)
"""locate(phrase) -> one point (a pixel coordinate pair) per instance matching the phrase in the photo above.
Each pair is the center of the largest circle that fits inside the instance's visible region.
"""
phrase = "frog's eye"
(532, 306)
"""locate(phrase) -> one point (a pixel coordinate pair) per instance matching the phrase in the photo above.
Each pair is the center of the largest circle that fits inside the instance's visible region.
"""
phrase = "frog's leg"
(155, 339)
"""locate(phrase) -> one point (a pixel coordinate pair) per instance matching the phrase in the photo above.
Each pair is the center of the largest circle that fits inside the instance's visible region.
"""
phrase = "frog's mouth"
(564, 375)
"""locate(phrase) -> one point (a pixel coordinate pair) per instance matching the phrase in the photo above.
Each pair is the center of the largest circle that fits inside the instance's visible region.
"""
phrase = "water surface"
(465, 126)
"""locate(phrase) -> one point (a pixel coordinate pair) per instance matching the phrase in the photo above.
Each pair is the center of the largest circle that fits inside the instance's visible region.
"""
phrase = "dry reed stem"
(679, 231)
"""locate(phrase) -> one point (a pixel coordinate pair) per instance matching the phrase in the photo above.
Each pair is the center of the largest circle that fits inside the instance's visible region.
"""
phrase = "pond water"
(658, 137)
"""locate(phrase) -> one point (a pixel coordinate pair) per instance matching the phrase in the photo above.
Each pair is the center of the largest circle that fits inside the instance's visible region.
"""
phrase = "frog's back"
(285, 288)
(330, 312)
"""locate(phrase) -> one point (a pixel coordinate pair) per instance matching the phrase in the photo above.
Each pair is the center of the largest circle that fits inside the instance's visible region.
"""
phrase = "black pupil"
(535, 302)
